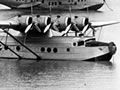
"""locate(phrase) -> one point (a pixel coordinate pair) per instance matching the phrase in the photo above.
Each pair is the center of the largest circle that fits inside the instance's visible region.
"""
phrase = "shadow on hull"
(105, 57)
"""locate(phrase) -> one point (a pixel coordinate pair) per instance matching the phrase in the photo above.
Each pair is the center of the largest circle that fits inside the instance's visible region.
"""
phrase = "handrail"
(11, 50)
(38, 57)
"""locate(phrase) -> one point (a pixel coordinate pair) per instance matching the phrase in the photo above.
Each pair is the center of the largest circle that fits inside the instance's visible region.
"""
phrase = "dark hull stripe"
(105, 57)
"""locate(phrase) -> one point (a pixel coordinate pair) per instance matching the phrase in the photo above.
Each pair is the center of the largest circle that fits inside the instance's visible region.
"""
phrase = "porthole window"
(18, 48)
(5, 47)
(55, 50)
(74, 44)
(75, 3)
(52, 3)
(48, 50)
(80, 43)
(68, 49)
(60, 3)
(42, 49)
(55, 3)
(49, 3)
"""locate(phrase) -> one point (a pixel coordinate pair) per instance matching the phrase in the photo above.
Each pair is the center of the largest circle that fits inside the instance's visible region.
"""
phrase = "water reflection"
(57, 74)
(60, 73)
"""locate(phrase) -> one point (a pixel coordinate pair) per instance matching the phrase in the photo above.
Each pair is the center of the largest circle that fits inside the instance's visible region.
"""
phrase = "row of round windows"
(55, 50)
(49, 50)
(42, 49)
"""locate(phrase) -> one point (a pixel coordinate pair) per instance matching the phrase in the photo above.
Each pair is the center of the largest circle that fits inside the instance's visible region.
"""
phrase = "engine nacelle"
(24, 20)
(80, 22)
(62, 22)
(42, 21)
(21, 22)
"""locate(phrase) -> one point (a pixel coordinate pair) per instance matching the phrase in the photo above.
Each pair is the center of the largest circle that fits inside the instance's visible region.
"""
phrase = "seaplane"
(39, 37)
(54, 4)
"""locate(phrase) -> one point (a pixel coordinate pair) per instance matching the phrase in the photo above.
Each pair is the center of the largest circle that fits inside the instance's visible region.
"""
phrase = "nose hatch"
(112, 48)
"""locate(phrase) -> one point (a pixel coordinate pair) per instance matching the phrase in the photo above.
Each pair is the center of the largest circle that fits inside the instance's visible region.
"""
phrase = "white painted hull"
(77, 54)
(65, 49)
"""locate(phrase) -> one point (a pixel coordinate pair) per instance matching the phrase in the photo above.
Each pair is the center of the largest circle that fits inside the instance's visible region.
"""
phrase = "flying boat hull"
(56, 48)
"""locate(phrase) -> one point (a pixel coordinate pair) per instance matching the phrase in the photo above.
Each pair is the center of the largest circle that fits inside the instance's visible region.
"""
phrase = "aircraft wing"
(101, 24)
(7, 23)
(28, 5)
(18, 23)
(92, 5)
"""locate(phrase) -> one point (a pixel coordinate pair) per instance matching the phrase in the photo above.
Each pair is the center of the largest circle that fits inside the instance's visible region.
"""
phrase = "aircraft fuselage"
(57, 4)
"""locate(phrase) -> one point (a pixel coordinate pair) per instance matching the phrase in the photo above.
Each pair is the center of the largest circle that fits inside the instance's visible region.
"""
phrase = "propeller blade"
(67, 29)
(85, 28)
(28, 28)
(49, 33)
(47, 28)
(76, 28)
(37, 28)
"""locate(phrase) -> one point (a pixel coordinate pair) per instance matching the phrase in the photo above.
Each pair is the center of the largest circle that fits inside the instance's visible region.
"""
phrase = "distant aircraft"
(55, 4)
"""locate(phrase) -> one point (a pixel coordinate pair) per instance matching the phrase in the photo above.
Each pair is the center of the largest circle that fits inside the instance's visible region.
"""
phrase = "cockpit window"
(80, 43)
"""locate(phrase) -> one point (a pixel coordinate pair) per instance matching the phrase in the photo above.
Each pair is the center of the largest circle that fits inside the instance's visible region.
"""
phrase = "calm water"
(68, 75)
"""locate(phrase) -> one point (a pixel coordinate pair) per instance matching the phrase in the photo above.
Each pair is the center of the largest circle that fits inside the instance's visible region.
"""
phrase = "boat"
(73, 48)
(39, 38)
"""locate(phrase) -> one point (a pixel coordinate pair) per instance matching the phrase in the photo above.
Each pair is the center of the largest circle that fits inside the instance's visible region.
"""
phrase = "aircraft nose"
(112, 48)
